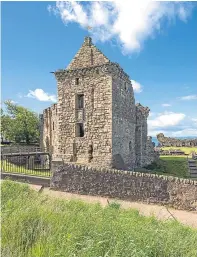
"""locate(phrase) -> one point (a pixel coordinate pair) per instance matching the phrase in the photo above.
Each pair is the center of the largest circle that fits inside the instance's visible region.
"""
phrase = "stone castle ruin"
(96, 120)
(170, 141)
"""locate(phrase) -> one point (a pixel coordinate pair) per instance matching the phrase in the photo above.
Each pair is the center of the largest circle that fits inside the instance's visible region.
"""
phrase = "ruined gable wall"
(96, 115)
(87, 56)
(123, 128)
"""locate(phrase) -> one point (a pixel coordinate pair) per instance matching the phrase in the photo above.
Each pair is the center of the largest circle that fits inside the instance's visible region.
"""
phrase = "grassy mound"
(33, 225)
(171, 166)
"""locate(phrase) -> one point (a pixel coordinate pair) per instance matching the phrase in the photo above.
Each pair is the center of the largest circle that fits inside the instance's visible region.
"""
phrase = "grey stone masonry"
(95, 119)
(127, 185)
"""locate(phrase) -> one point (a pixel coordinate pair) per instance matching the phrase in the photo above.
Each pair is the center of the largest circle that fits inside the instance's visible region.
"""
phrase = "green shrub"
(114, 205)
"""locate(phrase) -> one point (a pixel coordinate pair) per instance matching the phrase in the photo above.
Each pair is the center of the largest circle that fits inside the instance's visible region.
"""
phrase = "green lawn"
(34, 225)
(171, 166)
(187, 150)
(6, 166)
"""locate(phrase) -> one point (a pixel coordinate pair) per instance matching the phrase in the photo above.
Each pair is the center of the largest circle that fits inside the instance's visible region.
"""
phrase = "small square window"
(80, 130)
(77, 81)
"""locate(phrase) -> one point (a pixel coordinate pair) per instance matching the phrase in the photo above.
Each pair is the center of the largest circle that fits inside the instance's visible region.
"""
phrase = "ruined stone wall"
(96, 115)
(50, 129)
(41, 130)
(126, 185)
(141, 135)
(123, 126)
(151, 154)
(170, 141)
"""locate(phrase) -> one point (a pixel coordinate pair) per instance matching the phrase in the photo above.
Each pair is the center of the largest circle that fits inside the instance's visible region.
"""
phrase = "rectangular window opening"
(80, 130)
(77, 81)
(80, 101)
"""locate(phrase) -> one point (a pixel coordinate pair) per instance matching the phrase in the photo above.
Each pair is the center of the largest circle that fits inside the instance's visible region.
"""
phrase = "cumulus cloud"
(166, 119)
(137, 87)
(172, 124)
(188, 97)
(40, 95)
(166, 105)
(130, 23)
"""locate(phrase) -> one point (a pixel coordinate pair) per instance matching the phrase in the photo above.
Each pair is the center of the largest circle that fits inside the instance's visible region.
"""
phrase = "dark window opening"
(77, 81)
(92, 98)
(80, 101)
(80, 130)
(130, 147)
(90, 153)
(125, 86)
(53, 125)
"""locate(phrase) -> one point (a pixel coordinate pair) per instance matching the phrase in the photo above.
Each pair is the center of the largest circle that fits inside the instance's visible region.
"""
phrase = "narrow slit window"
(53, 125)
(77, 81)
(91, 56)
(80, 130)
(125, 86)
(80, 101)
(92, 98)
(130, 146)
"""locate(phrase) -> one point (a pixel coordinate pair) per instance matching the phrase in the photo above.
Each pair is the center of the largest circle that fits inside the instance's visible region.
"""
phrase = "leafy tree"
(19, 124)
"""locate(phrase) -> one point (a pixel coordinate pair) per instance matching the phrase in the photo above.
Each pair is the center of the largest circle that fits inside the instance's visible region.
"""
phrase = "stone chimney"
(88, 41)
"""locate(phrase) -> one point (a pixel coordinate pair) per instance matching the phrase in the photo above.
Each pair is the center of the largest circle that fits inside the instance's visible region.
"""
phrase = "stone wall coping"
(123, 172)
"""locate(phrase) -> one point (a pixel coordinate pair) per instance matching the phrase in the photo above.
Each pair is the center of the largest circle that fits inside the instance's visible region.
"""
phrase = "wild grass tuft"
(34, 225)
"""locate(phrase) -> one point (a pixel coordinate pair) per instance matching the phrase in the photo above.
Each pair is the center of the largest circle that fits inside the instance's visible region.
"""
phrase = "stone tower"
(96, 119)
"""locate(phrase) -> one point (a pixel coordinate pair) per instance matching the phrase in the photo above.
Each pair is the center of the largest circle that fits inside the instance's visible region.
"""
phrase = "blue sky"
(155, 44)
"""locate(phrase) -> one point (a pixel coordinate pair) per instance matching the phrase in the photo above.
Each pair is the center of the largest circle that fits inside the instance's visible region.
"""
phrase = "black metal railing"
(37, 164)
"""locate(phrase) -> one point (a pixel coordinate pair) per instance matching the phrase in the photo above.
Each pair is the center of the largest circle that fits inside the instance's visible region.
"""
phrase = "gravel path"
(160, 212)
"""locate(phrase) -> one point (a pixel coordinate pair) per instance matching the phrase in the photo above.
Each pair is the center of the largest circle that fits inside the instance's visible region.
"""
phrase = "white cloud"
(172, 124)
(166, 119)
(195, 121)
(129, 22)
(13, 102)
(188, 97)
(166, 105)
(185, 133)
(137, 87)
(40, 95)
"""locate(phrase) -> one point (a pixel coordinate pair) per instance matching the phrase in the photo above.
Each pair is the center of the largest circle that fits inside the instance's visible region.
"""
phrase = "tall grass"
(171, 166)
(34, 225)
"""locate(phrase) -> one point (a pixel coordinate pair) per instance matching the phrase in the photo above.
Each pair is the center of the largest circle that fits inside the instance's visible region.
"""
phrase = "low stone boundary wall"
(125, 185)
